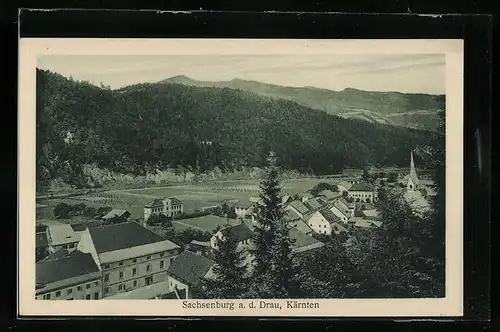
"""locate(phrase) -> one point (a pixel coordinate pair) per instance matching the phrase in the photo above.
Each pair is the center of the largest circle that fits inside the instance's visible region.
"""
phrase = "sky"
(411, 73)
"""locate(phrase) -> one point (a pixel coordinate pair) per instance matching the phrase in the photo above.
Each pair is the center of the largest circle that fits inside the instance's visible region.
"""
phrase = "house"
(306, 197)
(324, 222)
(199, 246)
(169, 207)
(346, 205)
(363, 192)
(329, 195)
(340, 211)
(297, 223)
(302, 242)
(62, 236)
(298, 207)
(362, 223)
(186, 272)
(74, 276)
(129, 255)
(314, 203)
(116, 213)
(244, 209)
(286, 199)
(344, 186)
(240, 234)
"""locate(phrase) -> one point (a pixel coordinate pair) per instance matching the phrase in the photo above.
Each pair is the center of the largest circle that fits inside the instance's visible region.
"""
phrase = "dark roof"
(314, 203)
(59, 253)
(73, 265)
(329, 216)
(345, 202)
(154, 203)
(120, 236)
(328, 194)
(299, 206)
(362, 186)
(81, 226)
(190, 267)
(41, 240)
(175, 201)
(238, 233)
(116, 213)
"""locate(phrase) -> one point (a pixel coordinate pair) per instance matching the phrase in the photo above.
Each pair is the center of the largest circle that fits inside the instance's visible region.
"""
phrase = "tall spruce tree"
(273, 261)
(229, 270)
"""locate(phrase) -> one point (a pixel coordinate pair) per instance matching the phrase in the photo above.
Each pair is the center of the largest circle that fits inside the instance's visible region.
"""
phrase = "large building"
(62, 236)
(363, 192)
(325, 222)
(63, 276)
(129, 255)
(169, 207)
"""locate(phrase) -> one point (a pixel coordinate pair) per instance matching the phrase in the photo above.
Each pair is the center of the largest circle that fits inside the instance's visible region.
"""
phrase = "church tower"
(412, 183)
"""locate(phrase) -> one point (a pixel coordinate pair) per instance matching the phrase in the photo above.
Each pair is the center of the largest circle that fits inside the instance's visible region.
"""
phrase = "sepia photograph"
(276, 178)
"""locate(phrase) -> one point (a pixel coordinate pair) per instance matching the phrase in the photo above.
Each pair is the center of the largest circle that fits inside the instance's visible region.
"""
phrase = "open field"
(194, 197)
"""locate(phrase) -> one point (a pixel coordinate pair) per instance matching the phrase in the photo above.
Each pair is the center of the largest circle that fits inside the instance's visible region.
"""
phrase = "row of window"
(134, 271)
(106, 266)
(70, 290)
(362, 195)
(121, 287)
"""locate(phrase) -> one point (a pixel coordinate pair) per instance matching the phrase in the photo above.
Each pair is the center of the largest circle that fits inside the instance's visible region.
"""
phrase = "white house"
(325, 222)
(244, 209)
(363, 192)
(240, 234)
(340, 211)
(62, 236)
(167, 206)
(346, 206)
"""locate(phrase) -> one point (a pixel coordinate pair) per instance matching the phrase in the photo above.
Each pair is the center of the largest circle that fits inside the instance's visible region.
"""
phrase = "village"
(115, 256)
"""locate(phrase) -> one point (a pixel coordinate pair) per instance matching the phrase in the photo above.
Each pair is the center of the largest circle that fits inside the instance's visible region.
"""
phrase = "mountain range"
(412, 110)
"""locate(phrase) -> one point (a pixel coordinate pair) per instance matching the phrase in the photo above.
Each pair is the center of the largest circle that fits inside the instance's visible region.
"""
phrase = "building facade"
(129, 256)
(74, 276)
(169, 207)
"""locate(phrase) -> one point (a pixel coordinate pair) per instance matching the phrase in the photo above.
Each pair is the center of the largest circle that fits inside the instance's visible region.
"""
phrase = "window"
(96, 295)
(87, 297)
(121, 263)
(46, 297)
(69, 291)
(120, 287)
(58, 293)
(148, 268)
(106, 277)
(134, 260)
(106, 266)
(135, 283)
(162, 254)
(162, 263)
(121, 274)
(96, 283)
(87, 286)
(134, 271)
(106, 290)
(79, 288)
(149, 257)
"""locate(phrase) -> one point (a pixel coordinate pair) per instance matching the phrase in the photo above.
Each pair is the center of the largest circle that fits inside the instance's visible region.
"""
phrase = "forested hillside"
(412, 110)
(159, 126)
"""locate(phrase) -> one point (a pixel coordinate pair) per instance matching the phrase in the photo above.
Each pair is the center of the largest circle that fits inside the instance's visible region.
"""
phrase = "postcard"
(240, 177)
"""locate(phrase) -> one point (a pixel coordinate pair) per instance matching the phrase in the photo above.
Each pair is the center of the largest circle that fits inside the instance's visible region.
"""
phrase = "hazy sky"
(424, 73)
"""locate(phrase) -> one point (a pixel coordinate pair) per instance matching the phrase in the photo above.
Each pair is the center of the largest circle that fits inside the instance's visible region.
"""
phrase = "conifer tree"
(229, 270)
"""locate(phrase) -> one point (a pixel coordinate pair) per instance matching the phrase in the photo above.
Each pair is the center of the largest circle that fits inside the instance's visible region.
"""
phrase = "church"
(413, 194)
(412, 179)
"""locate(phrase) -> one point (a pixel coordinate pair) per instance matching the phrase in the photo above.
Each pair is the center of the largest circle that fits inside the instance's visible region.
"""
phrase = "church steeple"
(412, 179)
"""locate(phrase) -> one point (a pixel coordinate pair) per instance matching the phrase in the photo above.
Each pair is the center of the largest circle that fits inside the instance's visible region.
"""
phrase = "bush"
(89, 212)
(62, 210)
(323, 186)
(158, 219)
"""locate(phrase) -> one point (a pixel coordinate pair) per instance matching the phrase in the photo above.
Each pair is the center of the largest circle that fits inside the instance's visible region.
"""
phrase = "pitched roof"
(73, 265)
(303, 242)
(314, 203)
(175, 201)
(59, 253)
(299, 206)
(82, 226)
(362, 186)
(291, 215)
(190, 267)
(359, 222)
(307, 195)
(370, 213)
(285, 198)
(238, 233)
(62, 234)
(329, 216)
(115, 213)
(338, 228)
(41, 240)
(154, 203)
(340, 208)
(346, 203)
(345, 184)
(121, 236)
(328, 194)
(301, 226)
